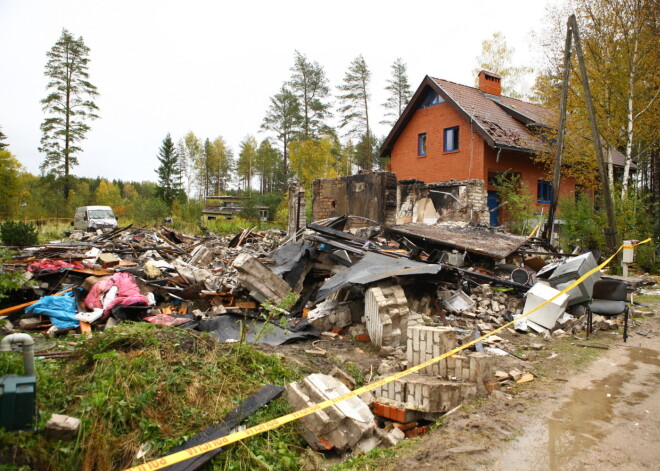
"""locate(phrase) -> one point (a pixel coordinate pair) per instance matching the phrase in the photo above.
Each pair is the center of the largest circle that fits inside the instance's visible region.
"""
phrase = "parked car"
(92, 218)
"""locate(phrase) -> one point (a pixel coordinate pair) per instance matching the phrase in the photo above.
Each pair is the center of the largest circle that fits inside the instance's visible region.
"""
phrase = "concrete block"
(255, 276)
(26, 323)
(329, 315)
(62, 427)
(343, 425)
(344, 377)
(481, 371)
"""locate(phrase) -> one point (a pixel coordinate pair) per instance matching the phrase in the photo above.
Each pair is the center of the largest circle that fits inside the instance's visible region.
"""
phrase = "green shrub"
(18, 233)
(583, 227)
(519, 209)
(9, 281)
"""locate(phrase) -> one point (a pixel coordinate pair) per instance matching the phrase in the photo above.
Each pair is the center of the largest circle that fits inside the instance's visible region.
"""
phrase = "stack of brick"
(442, 385)
(425, 343)
(386, 315)
(264, 285)
(346, 426)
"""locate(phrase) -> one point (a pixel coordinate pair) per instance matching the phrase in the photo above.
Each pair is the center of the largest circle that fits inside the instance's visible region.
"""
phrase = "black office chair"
(609, 300)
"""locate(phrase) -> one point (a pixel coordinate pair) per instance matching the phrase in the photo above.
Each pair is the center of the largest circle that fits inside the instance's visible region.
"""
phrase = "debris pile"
(414, 291)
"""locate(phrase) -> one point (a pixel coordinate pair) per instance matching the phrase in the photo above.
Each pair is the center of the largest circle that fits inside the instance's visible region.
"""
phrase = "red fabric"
(53, 265)
(128, 293)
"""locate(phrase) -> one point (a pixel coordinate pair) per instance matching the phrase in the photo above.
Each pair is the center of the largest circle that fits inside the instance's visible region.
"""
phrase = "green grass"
(375, 459)
(144, 385)
(224, 227)
(234, 226)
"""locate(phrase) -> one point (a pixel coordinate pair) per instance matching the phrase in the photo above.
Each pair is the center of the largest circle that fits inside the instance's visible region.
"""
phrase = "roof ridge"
(477, 88)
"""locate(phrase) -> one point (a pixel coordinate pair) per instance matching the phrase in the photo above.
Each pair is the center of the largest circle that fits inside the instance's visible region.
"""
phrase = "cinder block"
(62, 427)
(254, 275)
(342, 425)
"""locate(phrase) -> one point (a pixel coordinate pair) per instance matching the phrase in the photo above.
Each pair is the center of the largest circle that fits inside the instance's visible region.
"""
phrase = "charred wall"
(370, 195)
(463, 201)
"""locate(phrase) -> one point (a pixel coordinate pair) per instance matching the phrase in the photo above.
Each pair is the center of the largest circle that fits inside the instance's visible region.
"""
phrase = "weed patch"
(141, 386)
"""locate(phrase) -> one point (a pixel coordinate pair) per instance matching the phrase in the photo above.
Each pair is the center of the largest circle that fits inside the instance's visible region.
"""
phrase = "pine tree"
(310, 86)
(283, 118)
(399, 90)
(168, 188)
(3, 145)
(68, 106)
(354, 107)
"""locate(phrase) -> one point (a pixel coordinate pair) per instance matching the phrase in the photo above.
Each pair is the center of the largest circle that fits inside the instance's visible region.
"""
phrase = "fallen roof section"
(375, 267)
(475, 239)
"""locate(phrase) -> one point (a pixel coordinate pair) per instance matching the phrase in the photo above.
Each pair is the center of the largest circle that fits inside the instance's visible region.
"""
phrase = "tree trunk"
(631, 119)
(67, 136)
(366, 117)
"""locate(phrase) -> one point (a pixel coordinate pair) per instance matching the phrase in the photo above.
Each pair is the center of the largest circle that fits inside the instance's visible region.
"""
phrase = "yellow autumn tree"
(311, 159)
(621, 47)
(107, 194)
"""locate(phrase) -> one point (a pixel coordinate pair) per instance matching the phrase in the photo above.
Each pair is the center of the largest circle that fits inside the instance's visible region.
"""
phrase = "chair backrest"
(610, 290)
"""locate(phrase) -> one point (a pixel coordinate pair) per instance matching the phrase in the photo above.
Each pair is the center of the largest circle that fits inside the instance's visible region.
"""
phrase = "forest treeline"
(312, 128)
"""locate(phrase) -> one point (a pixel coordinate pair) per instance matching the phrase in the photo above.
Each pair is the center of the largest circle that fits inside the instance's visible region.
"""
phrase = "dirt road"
(587, 409)
(606, 418)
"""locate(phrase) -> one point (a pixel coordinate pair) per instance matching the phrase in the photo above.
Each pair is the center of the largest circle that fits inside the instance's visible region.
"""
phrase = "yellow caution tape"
(285, 419)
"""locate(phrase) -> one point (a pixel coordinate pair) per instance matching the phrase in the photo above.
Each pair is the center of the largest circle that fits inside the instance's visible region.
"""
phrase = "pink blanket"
(128, 293)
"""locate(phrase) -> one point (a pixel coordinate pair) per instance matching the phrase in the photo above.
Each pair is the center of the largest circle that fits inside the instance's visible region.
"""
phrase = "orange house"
(454, 131)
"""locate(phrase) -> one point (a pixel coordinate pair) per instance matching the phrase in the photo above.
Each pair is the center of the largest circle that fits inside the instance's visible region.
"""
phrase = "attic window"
(431, 98)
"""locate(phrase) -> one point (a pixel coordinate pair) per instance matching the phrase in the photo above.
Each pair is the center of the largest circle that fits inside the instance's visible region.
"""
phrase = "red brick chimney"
(490, 83)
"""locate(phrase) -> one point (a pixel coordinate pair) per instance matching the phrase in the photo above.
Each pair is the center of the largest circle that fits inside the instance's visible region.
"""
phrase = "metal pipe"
(27, 343)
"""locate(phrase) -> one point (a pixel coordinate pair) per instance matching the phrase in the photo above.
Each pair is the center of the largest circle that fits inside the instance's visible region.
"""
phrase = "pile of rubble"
(412, 298)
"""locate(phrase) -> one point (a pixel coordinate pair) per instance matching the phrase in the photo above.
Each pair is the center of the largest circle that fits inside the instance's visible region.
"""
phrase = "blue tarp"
(60, 309)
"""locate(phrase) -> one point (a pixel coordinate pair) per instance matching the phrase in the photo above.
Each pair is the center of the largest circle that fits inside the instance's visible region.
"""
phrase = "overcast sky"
(211, 66)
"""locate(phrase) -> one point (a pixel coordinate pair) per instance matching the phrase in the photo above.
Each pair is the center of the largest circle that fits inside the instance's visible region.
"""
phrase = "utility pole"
(556, 176)
(610, 232)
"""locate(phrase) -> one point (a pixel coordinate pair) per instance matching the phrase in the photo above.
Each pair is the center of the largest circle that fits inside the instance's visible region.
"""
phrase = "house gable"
(502, 122)
(416, 103)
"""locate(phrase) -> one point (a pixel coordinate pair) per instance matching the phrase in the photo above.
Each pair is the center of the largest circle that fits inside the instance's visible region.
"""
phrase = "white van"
(92, 218)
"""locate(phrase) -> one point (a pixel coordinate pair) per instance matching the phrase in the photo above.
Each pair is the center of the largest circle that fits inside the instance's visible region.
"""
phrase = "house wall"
(531, 172)
(463, 164)
(473, 160)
